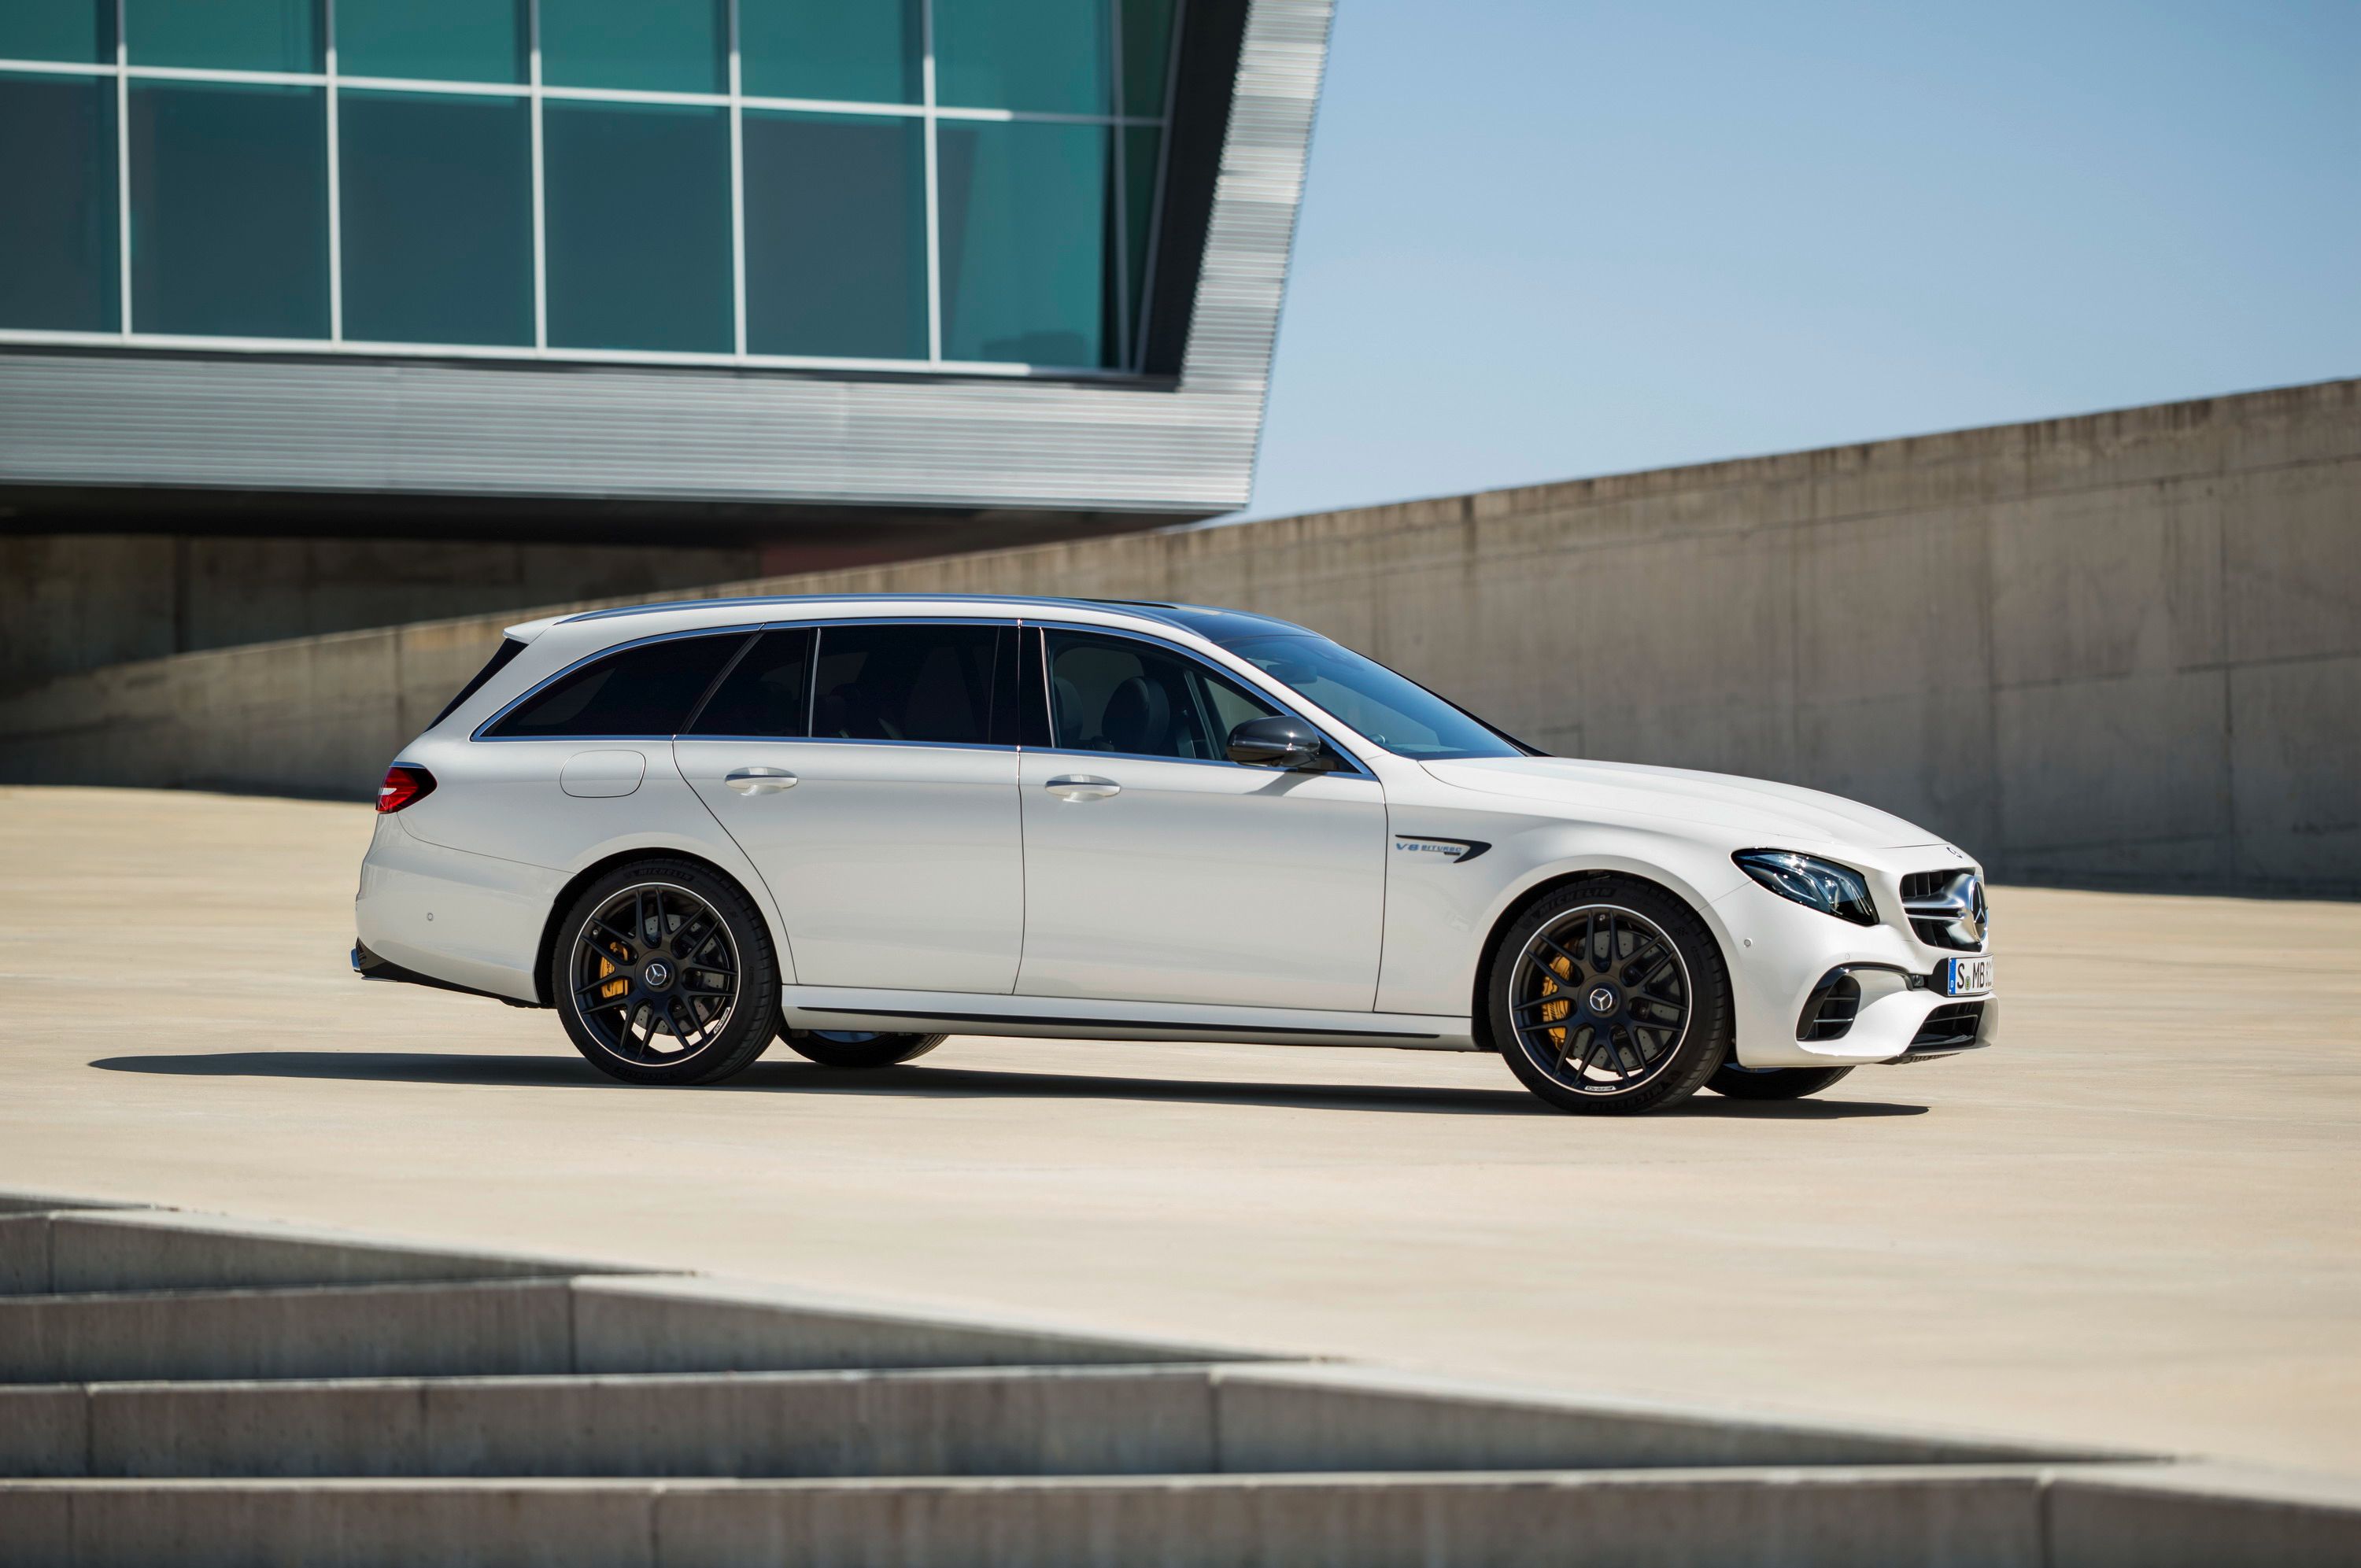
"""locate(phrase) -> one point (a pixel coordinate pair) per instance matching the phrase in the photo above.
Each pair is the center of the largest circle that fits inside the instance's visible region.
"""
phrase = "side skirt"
(1067, 1018)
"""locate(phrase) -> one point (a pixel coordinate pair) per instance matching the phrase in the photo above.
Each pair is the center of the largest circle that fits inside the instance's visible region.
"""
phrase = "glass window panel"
(1047, 54)
(1146, 55)
(229, 35)
(438, 217)
(768, 693)
(836, 236)
(638, 226)
(662, 45)
(1024, 210)
(58, 260)
(229, 210)
(432, 40)
(78, 30)
(854, 52)
(1391, 710)
(1112, 694)
(1140, 147)
(905, 682)
(642, 691)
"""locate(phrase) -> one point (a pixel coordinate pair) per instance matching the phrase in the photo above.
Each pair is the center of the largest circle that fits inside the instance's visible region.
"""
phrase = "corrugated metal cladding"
(539, 429)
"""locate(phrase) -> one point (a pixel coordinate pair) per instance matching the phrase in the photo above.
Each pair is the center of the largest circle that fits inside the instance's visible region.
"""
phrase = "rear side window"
(643, 691)
(501, 656)
(905, 682)
(767, 693)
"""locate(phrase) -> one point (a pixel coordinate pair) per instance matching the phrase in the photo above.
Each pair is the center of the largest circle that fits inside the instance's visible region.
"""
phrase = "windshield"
(1392, 710)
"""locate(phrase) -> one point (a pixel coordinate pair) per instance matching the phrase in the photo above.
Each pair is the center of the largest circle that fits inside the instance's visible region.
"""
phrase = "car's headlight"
(1828, 887)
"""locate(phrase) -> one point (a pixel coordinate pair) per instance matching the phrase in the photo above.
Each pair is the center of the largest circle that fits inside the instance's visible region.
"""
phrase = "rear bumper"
(464, 922)
(376, 966)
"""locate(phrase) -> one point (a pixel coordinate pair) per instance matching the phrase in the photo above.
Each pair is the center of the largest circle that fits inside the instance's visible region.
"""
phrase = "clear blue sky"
(1543, 241)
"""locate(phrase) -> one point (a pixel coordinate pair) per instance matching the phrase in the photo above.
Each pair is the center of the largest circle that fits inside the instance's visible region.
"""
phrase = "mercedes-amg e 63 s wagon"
(860, 823)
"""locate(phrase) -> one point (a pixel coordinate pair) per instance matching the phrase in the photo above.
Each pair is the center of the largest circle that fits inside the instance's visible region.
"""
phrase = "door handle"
(1083, 786)
(758, 781)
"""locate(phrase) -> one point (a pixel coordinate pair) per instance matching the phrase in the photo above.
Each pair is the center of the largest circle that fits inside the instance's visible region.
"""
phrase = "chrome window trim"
(1260, 683)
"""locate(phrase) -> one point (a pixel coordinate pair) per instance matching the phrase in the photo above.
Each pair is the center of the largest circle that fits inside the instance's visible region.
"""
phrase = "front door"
(1158, 871)
(853, 763)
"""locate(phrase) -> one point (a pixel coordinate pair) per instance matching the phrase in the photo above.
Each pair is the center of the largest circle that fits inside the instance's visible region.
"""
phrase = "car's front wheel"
(661, 972)
(857, 1047)
(1610, 996)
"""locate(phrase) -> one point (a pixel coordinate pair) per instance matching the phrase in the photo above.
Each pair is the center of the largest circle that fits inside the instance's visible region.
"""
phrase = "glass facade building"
(916, 185)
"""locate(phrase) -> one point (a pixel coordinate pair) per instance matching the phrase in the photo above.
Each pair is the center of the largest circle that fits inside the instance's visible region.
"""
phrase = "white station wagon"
(858, 825)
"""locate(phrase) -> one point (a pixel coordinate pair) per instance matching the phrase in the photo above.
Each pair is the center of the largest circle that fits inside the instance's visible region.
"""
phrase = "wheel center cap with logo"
(659, 974)
(1602, 999)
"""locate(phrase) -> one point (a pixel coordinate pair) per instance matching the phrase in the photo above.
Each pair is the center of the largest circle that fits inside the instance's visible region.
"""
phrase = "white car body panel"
(894, 866)
(1138, 894)
(925, 887)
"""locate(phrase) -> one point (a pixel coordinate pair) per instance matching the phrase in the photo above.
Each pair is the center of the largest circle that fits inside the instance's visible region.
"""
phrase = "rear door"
(1158, 871)
(855, 763)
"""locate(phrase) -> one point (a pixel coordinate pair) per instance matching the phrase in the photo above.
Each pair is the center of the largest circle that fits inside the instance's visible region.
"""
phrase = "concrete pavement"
(2132, 1225)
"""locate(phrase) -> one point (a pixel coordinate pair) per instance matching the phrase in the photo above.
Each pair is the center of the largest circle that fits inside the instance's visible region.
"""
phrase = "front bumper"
(1781, 951)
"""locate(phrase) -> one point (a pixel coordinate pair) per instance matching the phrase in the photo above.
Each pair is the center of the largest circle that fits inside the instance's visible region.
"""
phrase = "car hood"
(1757, 811)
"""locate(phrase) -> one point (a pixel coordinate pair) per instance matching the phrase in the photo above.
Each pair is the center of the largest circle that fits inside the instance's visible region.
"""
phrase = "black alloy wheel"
(1610, 995)
(857, 1047)
(663, 974)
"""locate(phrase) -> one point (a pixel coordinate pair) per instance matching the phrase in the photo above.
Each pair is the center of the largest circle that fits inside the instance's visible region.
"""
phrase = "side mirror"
(1288, 744)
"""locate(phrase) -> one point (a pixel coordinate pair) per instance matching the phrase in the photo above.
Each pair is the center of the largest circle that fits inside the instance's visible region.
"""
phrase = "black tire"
(857, 1049)
(718, 993)
(1645, 960)
(1771, 1082)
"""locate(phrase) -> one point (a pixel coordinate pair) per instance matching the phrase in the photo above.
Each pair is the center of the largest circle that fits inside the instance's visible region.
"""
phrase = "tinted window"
(437, 209)
(905, 682)
(1393, 710)
(229, 209)
(646, 690)
(509, 649)
(1111, 694)
(765, 692)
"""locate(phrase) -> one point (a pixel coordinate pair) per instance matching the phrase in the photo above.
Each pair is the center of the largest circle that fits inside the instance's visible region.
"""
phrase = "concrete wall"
(2122, 649)
(77, 601)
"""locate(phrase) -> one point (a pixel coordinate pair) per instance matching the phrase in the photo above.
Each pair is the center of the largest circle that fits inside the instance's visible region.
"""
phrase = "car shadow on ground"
(942, 1082)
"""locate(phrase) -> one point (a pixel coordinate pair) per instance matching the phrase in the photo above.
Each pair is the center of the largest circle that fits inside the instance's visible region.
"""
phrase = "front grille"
(1950, 1028)
(1830, 1011)
(1947, 909)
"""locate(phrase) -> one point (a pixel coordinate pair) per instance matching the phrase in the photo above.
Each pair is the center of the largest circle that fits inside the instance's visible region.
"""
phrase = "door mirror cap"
(1288, 744)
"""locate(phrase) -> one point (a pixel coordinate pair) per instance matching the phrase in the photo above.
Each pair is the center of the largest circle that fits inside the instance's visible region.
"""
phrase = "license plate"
(1966, 977)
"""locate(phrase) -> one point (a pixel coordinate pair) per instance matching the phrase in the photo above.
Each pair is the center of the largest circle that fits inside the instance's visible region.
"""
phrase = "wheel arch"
(546, 947)
(1479, 1012)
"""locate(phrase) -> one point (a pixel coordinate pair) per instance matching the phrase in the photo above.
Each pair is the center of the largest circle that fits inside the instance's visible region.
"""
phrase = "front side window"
(1113, 693)
(927, 682)
(644, 691)
(1392, 710)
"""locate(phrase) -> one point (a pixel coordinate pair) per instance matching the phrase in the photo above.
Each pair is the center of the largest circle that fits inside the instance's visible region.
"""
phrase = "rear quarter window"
(643, 691)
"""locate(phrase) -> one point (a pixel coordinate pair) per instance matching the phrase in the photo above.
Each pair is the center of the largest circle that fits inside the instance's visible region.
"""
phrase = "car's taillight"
(403, 785)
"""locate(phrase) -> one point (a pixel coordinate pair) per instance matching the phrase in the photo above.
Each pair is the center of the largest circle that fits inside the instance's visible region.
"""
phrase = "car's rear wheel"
(1611, 996)
(661, 972)
(857, 1047)
(1771, 1082)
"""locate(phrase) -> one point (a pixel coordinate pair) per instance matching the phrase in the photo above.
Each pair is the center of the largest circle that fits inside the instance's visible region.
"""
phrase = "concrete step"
(75, 1251)
(975, 1421)
(655, 1323)
(1832, 1519)
(2018, 1517)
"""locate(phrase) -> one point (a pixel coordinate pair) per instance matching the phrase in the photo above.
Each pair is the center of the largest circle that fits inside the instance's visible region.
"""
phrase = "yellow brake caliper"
(1554, 1011)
